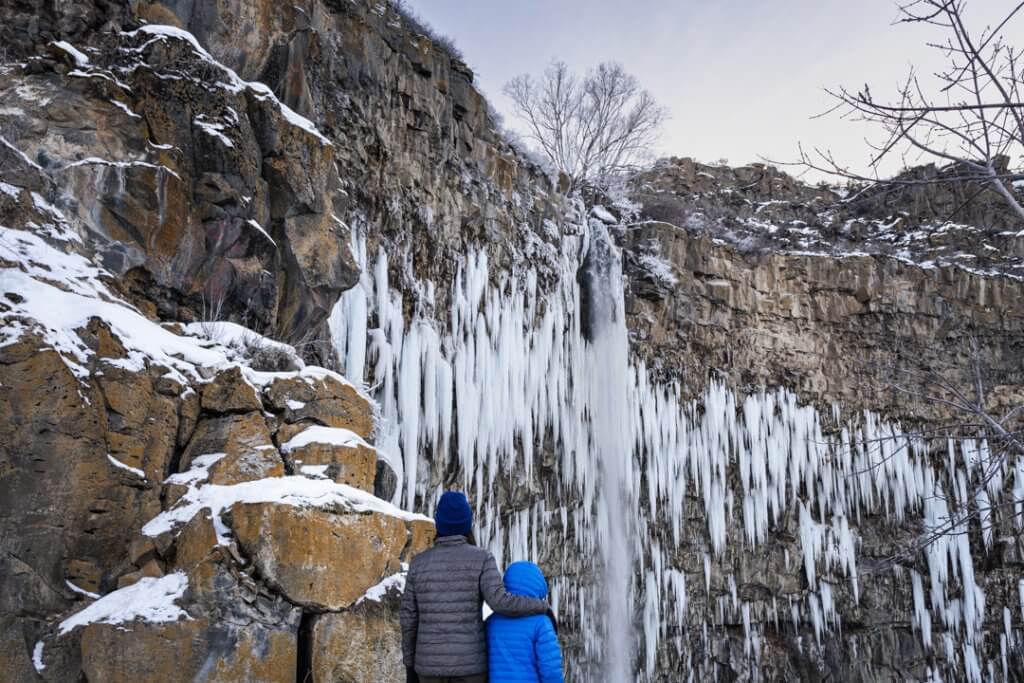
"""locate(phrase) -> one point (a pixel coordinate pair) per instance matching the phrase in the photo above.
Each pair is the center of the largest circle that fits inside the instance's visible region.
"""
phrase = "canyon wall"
(700, 406)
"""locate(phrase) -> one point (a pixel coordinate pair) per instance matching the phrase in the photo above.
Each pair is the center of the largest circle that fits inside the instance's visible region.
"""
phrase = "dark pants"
(479, 678)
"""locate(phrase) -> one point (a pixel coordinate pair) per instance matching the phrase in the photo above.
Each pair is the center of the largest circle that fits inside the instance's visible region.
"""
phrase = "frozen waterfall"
(508, 379)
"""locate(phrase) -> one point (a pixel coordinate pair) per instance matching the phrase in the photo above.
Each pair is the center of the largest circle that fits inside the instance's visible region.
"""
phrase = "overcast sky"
(741, 78)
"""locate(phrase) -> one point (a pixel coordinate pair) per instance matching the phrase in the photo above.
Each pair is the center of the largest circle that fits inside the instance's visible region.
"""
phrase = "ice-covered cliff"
(680, 402)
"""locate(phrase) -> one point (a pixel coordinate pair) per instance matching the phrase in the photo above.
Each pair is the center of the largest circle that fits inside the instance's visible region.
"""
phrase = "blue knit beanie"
(454, 517)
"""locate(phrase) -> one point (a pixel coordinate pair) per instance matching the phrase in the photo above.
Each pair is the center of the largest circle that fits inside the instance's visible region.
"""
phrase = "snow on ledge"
(37, 657)
(238, 338)
(331, 436)
(237, 84)
(602, 214)
(120, 465)
(81, 591)
(199, 470)
(150, 599)
(296, 491)
(309, 374)
(314, 471)
(394, 582)
(80, 59)
(60, 293)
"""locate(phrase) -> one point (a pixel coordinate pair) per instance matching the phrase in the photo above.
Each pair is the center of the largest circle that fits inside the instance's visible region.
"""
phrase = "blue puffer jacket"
(524, 649)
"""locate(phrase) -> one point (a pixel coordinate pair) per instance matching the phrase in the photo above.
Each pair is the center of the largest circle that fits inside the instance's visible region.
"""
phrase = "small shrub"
(413, 21)
(261, 354)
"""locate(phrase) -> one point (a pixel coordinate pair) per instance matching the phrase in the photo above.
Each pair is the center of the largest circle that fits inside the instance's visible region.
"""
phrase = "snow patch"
(120, 465)
(315, 471)
(18, 153)
(259, 228)
(150, 599)
(602, 214)
(297, 491)
(37, 657)
(80, 59)
(213, 129)
(124, 107)
(198, 471)
(394, 582)
(80, 590)
(60, 293)
(90, 161)
(331, 436)
(659, 269)
(236, 340)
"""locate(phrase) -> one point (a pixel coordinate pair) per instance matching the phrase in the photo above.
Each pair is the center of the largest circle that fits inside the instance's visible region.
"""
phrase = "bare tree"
(588, 128)
(971, 118)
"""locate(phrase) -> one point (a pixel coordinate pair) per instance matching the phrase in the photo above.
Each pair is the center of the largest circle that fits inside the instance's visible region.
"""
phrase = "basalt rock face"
(758, 208)
(105, 489)
(254, 162)
(420, 161)
(812, 322)
(748, 273)
(200, 192)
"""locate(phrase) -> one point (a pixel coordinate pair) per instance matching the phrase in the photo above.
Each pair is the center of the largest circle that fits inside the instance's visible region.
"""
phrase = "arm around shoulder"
(500, 600)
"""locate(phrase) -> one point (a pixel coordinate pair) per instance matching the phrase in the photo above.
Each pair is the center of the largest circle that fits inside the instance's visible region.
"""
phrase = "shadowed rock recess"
(270, 280)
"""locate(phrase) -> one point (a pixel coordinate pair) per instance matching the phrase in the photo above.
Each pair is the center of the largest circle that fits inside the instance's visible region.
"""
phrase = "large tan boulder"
(323, 399)
(318, 558)
(361, 645)
(195, 541)
(244, 439)
(336, 454)
(214, 623)
(229, 392)
(187, 651)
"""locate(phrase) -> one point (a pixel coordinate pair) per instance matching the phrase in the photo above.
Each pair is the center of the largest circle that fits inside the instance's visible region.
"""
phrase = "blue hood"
(526, 578)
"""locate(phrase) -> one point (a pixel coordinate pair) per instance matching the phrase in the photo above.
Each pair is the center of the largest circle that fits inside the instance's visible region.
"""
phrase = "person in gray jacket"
(443, 634)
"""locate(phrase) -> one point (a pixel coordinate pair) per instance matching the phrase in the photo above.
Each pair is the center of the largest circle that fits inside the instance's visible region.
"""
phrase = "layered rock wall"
(251, 162)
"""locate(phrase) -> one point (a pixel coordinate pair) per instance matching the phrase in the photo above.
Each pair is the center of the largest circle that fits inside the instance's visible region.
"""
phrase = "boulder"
(320, 559)
(195, 541)
(360, 645)
(244, 439)
(227, 629)
(324, 400)
(190, 650)
(337, 454)
(229, 392)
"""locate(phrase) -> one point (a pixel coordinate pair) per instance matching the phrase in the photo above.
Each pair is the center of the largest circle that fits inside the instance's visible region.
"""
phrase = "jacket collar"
(450, 540)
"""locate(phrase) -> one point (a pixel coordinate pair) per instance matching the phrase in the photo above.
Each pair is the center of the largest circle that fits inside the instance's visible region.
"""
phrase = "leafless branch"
(974, 121)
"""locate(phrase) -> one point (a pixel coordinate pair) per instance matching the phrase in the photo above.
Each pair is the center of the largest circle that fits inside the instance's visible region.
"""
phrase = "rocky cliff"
(681, 402)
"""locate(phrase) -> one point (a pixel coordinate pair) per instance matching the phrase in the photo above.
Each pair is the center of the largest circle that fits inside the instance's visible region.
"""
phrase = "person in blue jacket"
(524, 649)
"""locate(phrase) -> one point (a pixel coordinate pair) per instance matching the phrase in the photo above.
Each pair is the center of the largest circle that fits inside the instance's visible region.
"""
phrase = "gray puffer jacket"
(442, 626)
